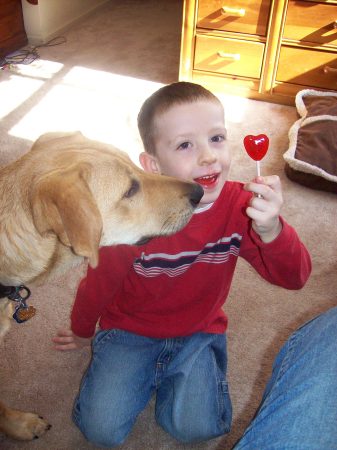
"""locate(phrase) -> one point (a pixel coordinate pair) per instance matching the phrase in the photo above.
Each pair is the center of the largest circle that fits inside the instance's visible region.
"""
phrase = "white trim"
(289, 155)
(301, 108)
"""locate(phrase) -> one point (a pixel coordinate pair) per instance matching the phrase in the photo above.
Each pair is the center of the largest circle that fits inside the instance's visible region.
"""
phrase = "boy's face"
(191, 144)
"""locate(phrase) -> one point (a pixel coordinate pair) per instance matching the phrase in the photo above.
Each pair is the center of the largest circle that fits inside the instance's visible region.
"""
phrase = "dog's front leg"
(6, 313)
(20, 425)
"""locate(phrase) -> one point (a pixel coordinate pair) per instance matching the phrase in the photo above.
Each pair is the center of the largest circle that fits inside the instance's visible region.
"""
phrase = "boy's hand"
(265, 210)
(66, 340)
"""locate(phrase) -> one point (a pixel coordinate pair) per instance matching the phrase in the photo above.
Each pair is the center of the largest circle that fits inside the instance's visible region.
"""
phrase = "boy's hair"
(161, 101)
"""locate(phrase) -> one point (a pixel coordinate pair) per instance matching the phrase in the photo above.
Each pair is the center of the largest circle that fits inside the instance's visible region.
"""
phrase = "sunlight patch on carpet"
(102, 105)
(15, 91)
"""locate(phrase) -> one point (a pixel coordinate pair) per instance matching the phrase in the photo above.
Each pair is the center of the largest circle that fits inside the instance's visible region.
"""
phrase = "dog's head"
(92, 195)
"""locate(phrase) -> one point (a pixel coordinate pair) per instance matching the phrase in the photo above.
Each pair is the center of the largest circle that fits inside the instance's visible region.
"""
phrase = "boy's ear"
(149, 163)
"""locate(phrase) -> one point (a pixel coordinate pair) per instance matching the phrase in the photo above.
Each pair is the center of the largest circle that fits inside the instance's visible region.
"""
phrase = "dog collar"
(15, 292)
(20, 295)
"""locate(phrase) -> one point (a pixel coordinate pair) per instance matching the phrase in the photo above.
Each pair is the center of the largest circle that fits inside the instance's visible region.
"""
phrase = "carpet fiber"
(96, 82)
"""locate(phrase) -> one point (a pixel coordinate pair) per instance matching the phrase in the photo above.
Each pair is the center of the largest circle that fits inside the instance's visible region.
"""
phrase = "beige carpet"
(96, 82)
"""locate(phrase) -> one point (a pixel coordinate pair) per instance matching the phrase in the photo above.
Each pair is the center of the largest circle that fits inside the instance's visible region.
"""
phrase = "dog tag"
(23, 313)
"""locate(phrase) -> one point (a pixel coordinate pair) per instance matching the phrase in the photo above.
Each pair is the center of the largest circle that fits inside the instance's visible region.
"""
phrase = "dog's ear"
(63, 203)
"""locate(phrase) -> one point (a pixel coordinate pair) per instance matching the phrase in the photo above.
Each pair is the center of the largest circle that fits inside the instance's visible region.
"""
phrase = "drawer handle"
(235, 56)
(334, 24)
(240, 12)
(328, 69)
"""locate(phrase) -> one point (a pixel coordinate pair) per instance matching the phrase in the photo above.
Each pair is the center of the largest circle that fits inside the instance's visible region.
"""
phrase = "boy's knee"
(102, 439)
(103, 436)
(101, 433)
(191, 434)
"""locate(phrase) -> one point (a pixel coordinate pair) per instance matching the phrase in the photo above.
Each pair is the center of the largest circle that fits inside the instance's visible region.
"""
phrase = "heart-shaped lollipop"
(256, 146)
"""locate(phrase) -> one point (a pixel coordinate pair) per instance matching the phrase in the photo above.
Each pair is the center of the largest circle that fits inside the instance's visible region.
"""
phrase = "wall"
(50, 18)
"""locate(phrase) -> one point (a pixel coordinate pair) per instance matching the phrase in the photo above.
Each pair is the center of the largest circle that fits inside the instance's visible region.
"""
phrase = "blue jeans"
(299, 406)
(188, 375)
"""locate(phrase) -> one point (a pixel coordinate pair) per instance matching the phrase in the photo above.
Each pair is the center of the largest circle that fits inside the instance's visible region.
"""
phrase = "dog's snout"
(196, 194)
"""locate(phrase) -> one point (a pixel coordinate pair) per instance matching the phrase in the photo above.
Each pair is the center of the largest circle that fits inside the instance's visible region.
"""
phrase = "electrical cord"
(28, 55)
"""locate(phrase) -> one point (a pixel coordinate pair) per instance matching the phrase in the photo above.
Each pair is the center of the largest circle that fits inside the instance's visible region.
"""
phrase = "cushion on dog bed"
(311, 159)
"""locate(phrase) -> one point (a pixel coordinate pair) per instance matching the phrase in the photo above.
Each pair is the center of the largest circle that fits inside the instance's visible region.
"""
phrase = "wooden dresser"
(12, 30)
(262, 49)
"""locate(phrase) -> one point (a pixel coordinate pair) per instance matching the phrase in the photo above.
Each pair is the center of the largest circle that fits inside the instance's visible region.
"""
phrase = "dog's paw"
(24, 426)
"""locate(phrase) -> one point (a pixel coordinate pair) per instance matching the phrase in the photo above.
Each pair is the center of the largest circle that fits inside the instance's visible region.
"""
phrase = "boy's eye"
(218, 138)
(184, 145)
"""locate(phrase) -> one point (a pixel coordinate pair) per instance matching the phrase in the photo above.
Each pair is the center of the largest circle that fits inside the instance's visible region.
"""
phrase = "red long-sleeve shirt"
(175, 286)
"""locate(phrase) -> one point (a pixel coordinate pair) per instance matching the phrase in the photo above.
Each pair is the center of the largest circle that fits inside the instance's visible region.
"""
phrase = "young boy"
(159, 306)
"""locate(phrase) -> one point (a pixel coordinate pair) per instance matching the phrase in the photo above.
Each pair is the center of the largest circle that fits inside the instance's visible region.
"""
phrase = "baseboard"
(43, 38)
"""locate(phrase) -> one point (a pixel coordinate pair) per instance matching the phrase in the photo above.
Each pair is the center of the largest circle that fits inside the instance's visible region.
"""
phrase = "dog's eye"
(133, 189)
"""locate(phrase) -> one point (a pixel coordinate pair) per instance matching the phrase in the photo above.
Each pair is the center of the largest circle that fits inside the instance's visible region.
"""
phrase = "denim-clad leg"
(116, 387)
(299, 407)
(193, 402)
(189, 376)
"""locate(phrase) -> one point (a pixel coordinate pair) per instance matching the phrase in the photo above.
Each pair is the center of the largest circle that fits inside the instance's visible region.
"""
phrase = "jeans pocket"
(225, 405)
(101, 338)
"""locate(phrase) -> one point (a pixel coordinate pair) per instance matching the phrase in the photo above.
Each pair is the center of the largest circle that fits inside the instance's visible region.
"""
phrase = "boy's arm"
(87, 307)
(285, 261)
(279, 255)
(98, 289)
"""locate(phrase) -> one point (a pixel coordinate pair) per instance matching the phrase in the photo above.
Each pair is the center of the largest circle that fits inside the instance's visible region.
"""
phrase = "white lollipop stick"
(258, 169)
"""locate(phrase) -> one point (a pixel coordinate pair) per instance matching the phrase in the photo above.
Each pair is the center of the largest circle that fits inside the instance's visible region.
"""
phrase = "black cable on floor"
(28, 55)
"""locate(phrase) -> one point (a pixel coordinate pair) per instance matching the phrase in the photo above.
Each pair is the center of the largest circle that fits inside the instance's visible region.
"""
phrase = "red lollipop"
(256, 147)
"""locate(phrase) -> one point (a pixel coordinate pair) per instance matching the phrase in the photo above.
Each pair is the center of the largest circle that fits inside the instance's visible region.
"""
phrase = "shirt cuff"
(279, 242)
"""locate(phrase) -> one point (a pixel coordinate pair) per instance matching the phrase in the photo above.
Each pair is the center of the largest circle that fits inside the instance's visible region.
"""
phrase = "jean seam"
(163, 406)
(220, 397)
(168, 346)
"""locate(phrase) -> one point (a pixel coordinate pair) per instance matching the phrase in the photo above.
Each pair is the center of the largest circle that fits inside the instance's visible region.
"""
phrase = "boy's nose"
(206, 156)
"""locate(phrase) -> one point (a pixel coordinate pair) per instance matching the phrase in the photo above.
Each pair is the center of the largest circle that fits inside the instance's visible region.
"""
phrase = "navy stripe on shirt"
(174, 265)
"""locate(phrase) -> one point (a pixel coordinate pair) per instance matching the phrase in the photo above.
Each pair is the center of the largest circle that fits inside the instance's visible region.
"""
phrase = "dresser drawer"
(306, 67)
(228, 56)
(311, 22)
(241, 16)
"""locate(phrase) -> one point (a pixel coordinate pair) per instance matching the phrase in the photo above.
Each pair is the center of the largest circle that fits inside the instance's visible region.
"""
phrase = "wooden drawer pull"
(235, 56)
(240, 12)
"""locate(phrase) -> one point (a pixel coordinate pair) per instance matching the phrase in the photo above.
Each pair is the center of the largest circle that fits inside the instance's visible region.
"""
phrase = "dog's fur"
(63, 200)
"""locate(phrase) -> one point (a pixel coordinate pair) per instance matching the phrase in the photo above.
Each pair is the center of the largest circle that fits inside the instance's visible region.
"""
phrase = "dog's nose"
(196, 194)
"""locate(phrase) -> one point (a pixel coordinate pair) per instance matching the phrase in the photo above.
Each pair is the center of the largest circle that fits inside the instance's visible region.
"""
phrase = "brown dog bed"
(311, 159)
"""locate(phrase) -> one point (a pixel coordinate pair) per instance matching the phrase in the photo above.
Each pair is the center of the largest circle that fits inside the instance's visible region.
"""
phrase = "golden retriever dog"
(59, 203)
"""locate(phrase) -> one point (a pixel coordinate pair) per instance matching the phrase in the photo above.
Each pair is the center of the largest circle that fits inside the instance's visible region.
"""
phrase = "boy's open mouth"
(207, 181)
